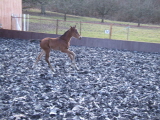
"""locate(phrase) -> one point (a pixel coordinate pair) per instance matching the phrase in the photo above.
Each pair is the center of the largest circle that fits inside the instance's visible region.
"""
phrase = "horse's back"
(51, 43)
(49, 39)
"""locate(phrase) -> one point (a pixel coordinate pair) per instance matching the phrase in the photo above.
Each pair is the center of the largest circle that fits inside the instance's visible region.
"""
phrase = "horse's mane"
(64, 34)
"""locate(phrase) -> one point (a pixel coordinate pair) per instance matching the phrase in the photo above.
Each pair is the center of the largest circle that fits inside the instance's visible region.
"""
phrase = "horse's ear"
(70, 28)
(75, 26)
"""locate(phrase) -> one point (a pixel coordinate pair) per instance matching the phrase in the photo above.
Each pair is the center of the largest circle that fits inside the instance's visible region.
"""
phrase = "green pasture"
(91, 27)
(136, 34)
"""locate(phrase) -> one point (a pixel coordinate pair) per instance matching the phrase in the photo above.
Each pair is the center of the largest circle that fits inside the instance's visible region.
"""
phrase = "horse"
(61, 43)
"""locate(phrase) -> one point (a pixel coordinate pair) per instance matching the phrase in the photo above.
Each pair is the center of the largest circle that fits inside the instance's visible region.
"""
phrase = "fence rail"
(88, 29)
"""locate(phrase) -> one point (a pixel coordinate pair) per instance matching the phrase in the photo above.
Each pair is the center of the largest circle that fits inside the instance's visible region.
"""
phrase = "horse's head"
(75, 32)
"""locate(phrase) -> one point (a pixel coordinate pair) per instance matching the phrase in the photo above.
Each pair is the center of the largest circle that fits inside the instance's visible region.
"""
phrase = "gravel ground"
(112, 84)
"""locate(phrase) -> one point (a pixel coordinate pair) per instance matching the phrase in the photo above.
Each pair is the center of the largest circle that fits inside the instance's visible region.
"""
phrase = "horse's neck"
(66, 37)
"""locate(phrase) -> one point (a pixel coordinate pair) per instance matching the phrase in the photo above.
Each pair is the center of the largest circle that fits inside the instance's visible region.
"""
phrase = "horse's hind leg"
(47, 59)
(38, 58)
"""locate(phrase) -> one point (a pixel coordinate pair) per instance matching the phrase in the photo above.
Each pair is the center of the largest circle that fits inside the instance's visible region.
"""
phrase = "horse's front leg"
(72, 57)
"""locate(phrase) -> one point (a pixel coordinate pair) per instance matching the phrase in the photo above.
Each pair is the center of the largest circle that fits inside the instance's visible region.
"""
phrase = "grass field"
(91, 27)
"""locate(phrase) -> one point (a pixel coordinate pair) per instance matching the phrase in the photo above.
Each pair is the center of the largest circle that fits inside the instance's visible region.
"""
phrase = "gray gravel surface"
(111, 84)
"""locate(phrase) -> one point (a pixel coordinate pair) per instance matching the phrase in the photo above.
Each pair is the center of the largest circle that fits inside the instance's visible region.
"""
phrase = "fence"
(88, 29)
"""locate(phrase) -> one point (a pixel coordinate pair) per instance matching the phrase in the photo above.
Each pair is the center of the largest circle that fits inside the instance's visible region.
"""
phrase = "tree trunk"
(102, 21)
(43, 11)
(139, 23)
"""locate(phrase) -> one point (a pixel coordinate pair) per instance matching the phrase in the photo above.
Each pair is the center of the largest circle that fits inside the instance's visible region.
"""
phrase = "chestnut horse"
(61, 43)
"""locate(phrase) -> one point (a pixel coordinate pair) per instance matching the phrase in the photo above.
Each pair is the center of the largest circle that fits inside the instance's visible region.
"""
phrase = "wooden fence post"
(80, 27)
(41, 24)
(110, 33)
(57, 27)
(128, 32)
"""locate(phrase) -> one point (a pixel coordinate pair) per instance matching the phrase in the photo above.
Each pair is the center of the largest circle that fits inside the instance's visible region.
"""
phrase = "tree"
(142, 10)
(79, 7)
(42, 3)
(27, 4)
(104, 7)
(64, 6)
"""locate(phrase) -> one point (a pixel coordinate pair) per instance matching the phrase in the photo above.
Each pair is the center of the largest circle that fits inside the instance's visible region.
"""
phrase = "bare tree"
(42, 3)
(104, 7)
(142, 10)
(64, 6)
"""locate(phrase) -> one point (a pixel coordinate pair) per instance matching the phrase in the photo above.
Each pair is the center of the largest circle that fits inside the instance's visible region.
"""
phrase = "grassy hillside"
(91, 27)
